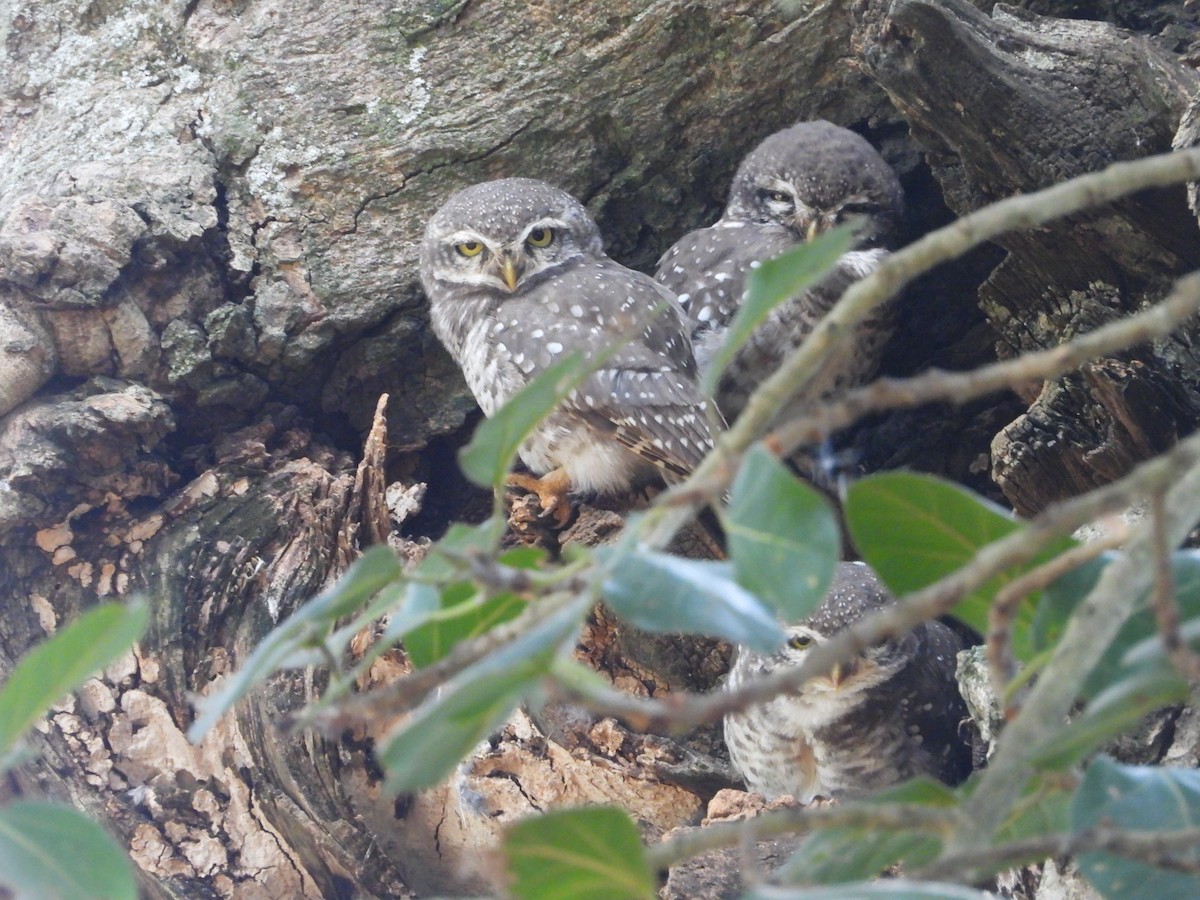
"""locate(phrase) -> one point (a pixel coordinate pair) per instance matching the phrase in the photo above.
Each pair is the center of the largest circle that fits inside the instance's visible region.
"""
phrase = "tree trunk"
(209, 216)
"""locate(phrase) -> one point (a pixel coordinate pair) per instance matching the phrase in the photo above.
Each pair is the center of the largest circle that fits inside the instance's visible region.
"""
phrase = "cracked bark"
(209, 215)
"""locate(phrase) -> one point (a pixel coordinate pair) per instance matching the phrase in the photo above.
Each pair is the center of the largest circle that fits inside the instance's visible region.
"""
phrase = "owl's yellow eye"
(540, 237)
(799, 641)
(469, 248)
(778, 197)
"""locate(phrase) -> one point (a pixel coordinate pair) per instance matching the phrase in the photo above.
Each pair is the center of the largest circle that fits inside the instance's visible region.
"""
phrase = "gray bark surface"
(209, 215)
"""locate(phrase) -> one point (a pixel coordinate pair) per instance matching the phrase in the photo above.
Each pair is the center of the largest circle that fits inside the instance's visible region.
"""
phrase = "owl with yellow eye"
(890, 714)
(517, 278)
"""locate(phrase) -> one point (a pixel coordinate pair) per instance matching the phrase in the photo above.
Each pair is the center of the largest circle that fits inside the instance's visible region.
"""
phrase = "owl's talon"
(551, 490)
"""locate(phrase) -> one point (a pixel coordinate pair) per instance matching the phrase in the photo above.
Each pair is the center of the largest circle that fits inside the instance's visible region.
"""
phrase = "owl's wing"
(645, 395)
(707, 269)
(931, 676)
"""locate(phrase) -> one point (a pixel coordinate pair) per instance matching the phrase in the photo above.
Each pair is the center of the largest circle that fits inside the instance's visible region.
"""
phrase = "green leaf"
(850, 854)
(294, 636)
(62, 663)
(1044, 809)
(524, 558)
(783, 537)
(1111, 713)
(473, 704)
(53, 851)
(915, 529)
(922, 791)
(773, 283)
(892, 889)
(1138, 798)
(437, 636)
(1060, 599)
(487, 459)
(663, 593)
(374, 570)
(584, 854)
(444, 561)
(1141, 626)
(435, 621)
(417, 603)
(853, 854)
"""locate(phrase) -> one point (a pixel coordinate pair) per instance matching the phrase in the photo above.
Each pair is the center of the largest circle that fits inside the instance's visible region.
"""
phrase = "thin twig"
(937, 385)
(938, 820)
(1174, 850)
(1008, 600)
(1162, 598)
(405, 694)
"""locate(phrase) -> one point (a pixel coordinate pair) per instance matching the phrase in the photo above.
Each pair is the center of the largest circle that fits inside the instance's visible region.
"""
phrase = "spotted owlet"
(888, 715)
(517, 278)
(793, 186)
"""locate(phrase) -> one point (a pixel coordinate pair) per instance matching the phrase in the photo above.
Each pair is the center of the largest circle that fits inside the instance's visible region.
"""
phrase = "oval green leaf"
(584, 854)
(783, 536)
(669, 594)
(1138, 798)
(773, 283)
(65, 661)
(452, 721)
(54, 851)
(489, 456)
(916, 529)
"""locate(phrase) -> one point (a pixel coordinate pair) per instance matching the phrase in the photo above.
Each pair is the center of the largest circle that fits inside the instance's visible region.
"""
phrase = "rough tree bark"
(209, 214)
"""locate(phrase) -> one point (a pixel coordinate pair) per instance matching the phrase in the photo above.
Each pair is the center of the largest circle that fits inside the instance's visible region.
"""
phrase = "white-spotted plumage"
(891, 714)
(517, 279)
(796, 184)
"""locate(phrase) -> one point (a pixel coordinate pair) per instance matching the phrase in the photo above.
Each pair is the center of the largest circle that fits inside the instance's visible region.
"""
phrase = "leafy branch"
(836, 328)
(487, 632)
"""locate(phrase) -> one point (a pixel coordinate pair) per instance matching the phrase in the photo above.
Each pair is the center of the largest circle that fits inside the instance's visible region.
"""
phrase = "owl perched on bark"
(517, 278)
(796, 184)
(888, 715)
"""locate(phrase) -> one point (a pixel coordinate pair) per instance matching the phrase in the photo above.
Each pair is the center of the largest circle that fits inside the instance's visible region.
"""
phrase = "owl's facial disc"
(507, 264)
(802, 639)
(540, 246)
(779, 201)
(472, 258)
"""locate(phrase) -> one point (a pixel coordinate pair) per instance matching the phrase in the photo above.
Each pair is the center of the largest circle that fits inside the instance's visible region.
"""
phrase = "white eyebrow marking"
(549, 222)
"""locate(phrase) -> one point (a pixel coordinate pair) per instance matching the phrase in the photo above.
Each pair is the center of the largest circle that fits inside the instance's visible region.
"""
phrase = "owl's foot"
(551, 490)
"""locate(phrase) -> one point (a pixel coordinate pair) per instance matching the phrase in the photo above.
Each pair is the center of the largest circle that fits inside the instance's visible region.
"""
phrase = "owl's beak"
(509, 272)
(809, 223)
(841, 672)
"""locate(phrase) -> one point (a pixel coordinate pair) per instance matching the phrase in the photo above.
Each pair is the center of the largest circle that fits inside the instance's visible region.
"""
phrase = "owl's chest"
(488, 367)
(775, 759)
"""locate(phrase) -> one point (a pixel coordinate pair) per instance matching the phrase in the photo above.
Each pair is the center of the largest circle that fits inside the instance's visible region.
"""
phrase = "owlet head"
(505, 235)
(855, 593)
(813, 176)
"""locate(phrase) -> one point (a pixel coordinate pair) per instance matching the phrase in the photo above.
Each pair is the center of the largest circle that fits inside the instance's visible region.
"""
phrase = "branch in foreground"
(936, 385)
(1174, 850)
(1088, 634)
(1162, 598)
(836, 329)
(937, 820)
(681, 711)
(406, 693)
(1001, 663)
